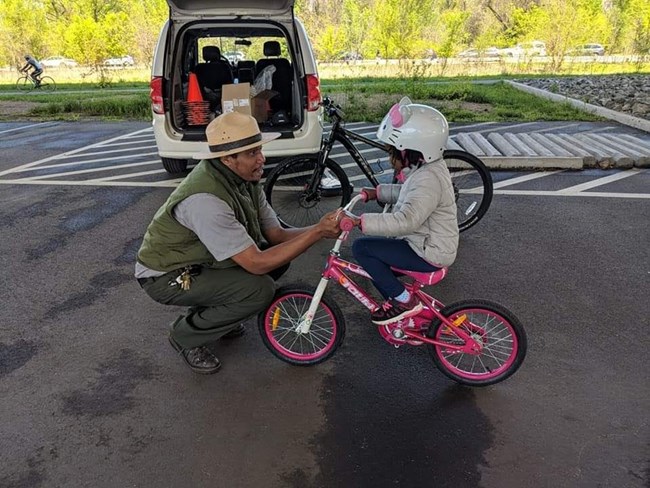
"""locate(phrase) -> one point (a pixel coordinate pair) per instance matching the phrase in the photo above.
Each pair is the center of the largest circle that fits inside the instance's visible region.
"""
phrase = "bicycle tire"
(473, 187)
(23, 83)
(47, 84)
(277, 322)
(502, 335)
(285, 191)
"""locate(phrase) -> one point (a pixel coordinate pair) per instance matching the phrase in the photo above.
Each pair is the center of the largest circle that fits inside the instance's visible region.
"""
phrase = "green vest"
(167, 245)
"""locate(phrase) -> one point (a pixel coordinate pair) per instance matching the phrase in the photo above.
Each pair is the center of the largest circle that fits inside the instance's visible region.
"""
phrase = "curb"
(537, 162)
(625, 119)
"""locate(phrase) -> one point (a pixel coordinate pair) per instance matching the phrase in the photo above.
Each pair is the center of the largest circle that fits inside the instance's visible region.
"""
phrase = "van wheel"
(174, 166)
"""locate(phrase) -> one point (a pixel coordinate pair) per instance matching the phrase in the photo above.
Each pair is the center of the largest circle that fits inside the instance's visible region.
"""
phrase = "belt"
(142, 281)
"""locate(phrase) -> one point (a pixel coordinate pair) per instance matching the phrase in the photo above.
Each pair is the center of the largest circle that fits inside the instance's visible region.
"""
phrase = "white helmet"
(417, 127)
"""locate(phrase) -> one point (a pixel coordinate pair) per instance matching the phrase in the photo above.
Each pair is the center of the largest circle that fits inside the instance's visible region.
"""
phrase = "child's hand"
(348, 220)
(369, 194)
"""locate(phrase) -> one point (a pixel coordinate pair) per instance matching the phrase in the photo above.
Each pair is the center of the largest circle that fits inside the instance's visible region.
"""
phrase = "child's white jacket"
(424, 214)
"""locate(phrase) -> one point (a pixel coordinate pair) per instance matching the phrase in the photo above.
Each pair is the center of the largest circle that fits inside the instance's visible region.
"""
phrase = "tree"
(22, 30)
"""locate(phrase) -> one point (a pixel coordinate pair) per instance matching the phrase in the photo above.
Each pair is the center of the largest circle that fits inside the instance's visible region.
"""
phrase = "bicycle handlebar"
(354, 201)
(331, 109)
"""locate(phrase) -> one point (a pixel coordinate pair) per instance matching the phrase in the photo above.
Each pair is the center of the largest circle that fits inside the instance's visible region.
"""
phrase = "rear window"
(241, 51)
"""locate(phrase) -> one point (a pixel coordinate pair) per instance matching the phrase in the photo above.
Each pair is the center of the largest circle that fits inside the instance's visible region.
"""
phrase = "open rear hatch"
(269, 9)
(222, 43)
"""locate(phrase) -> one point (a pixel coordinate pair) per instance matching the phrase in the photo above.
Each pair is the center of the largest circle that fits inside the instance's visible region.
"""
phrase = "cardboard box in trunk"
(236, 97)
(260, 105)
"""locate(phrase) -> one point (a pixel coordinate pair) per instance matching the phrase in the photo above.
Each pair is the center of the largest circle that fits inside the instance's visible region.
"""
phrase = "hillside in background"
(90, 31)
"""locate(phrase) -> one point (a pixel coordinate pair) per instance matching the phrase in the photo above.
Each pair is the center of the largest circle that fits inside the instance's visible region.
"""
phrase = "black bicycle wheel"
(23, 83)
(472, 186)
(47, 84)
(286, 189)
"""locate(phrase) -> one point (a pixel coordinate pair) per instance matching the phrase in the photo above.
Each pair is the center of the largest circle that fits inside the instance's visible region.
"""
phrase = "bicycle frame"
(345, 137)
(334, 269)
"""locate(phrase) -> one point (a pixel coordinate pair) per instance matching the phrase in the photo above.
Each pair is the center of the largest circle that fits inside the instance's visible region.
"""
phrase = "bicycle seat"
(424, 278)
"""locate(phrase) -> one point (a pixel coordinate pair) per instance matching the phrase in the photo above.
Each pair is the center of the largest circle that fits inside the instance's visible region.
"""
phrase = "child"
(421, 231)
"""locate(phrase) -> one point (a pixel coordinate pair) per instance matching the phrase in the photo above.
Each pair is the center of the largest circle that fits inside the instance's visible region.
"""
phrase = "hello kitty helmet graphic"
(421, 128)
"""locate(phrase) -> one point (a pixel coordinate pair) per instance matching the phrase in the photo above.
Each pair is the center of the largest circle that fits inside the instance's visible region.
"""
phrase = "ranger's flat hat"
(231, 133)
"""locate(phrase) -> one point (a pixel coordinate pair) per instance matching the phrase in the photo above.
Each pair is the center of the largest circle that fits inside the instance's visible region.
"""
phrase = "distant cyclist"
(37, 69)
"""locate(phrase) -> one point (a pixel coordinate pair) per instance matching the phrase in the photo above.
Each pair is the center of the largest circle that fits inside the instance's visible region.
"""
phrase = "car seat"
(213, 74)
(246, 71)
(282, 78)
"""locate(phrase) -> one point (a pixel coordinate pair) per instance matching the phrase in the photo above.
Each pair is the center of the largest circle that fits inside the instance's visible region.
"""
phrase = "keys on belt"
(184, 279)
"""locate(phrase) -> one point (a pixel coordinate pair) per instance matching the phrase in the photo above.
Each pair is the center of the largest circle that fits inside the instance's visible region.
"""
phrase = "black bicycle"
(301, 189)
(26, 82)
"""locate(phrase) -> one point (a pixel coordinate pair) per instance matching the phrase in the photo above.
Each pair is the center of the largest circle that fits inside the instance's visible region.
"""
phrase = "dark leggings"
(378, 254)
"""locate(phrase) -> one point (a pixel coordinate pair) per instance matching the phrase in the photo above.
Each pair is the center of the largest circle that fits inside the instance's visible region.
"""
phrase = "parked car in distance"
(59, 62)
(525, 49)
(234, 56)
(591, 49)
(474, 53)
(468, 53)
(490, 52)
(123, 61)
(351, 56)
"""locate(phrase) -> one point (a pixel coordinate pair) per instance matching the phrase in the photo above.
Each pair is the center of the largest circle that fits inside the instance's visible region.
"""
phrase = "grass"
(365, 91)
(460, 102)
(135, 106)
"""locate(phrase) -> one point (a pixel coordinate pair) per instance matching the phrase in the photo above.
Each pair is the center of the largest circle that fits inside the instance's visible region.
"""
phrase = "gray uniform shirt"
(216, 226)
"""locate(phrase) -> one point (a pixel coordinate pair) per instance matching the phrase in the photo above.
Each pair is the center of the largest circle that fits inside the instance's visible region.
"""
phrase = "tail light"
(156, 95)
(313, 93)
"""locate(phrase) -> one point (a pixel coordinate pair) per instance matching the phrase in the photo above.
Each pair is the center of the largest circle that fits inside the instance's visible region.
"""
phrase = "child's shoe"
(393, 310)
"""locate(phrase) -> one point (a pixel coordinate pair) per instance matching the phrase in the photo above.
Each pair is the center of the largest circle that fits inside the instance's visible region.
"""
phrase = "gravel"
(629, 94)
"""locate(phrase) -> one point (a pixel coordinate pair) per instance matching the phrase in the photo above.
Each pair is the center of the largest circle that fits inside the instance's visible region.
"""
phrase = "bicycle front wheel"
(472, 186)
(500, 334)
(23, 83)
(279, 324)
(47, 84)
(287, 189)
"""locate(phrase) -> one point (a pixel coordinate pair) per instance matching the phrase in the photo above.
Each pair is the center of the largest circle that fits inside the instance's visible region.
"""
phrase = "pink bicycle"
(474, 342)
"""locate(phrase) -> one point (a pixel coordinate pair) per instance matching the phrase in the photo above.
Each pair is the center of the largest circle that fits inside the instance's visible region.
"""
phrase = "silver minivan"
(274, 52)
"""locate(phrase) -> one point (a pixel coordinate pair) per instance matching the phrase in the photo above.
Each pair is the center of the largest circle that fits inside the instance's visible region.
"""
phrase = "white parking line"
(111, 151)
(94, 170)
(40, 124)
(76, 163)
(24, 167)
(127, 143)
(558, 193)
(599, 182)
(131, 175)
(521, 179)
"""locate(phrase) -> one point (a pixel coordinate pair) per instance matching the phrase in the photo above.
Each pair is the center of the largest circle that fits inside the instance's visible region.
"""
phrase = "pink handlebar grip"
(346, 224)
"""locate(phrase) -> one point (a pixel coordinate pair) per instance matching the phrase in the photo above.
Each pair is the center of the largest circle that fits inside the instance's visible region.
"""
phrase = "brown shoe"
(199, 359)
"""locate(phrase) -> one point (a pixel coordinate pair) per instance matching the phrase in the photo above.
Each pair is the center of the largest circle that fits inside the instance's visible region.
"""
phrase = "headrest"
(271, 48)
(211, 53)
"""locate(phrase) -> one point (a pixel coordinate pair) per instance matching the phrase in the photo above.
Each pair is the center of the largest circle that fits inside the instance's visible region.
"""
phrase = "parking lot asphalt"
(92, 395)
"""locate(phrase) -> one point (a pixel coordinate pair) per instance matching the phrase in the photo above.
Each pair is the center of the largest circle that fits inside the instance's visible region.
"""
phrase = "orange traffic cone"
(193, 89)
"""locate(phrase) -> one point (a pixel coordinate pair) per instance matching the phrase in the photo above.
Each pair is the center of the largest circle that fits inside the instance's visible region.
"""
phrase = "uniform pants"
(218, 300)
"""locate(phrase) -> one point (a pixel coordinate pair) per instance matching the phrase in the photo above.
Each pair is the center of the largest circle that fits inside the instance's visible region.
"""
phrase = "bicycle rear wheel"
(494, 327)
(23, 83)
(472, 186)
(47, 84)
(287, 190)
(278, 326)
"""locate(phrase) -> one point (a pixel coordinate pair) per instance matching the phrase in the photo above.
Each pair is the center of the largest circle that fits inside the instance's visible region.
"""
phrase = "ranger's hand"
(329, 225)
